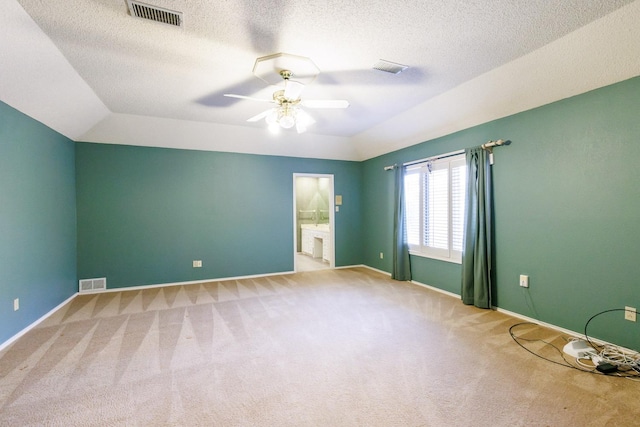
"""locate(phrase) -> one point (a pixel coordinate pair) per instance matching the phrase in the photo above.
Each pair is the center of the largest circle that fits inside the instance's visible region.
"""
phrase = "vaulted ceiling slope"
(92, 72)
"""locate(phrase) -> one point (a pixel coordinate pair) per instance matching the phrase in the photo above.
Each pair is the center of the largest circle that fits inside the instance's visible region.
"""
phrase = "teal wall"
(566, 213)
(567, 210)
(144, 214)
(37, 220)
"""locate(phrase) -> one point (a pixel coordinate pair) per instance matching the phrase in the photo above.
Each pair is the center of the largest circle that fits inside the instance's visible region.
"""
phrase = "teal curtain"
(477, 244)
(401, 260)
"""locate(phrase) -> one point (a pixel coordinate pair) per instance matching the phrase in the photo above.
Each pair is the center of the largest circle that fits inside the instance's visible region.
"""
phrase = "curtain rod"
(415, 162)
(486, 146)
(433, 158)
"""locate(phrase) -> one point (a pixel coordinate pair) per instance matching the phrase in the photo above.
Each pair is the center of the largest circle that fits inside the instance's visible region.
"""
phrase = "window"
(434, 206)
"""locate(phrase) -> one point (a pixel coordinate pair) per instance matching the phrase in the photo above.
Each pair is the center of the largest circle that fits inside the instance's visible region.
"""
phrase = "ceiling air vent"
(389, 67)
(154, 13)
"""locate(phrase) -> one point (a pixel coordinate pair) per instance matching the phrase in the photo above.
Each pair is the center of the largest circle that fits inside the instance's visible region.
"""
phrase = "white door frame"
(332, 218)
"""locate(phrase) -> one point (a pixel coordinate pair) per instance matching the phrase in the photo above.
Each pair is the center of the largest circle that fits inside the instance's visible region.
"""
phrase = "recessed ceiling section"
(87, 73)
(155, 13)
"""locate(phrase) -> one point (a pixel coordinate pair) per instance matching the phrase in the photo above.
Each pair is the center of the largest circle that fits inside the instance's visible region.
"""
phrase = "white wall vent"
(154, 13)
(93, 285)
(389, 67)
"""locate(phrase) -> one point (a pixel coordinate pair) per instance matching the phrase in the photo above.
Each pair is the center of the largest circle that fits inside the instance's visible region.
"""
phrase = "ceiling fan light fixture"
(287, 121)
(287, 114)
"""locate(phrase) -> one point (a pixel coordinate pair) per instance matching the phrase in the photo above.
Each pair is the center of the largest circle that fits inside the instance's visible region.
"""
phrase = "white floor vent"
(93, 285)
(155, 13)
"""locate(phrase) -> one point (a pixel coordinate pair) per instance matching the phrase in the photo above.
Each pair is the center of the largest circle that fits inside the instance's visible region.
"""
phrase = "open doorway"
(313, 214)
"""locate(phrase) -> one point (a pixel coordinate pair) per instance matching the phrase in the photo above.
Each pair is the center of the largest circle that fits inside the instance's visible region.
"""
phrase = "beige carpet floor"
(329, 348)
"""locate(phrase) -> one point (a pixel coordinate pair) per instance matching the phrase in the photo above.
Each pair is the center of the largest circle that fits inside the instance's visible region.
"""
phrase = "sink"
(318, 227)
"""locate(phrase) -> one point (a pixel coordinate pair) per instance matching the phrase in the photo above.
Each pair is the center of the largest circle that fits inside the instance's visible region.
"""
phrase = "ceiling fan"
(288, 112)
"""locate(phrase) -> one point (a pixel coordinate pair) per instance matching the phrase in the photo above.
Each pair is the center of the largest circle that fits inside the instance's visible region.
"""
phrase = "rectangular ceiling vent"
(389, 67)
(93, 285)
(155, 13)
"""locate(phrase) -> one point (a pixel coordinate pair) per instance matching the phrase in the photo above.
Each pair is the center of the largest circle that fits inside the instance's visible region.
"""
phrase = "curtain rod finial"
(488, 146)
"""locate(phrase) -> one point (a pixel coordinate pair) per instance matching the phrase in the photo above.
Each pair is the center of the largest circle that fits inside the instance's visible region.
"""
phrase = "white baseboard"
(375, 269)
(130, 288)
(530, 319)
(563, 330)
(11, 340)
(433, 288)
(134, 288)
(545, 324)
(364, 266)
(193, 282)
(509, 313)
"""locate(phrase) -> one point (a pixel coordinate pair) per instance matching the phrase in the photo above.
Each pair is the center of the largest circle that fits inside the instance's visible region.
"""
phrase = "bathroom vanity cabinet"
(316, 240)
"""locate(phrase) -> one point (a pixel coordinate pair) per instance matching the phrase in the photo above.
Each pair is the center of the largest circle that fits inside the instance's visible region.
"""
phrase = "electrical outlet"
(381, 255)
(630, 314)
(16, 304)
(197, 263)
(524, 281)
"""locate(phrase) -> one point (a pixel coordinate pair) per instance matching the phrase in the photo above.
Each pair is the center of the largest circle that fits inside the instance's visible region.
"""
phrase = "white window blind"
(436, 209)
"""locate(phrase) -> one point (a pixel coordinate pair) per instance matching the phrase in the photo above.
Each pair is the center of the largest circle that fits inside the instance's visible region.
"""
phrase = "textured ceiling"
(91, 71)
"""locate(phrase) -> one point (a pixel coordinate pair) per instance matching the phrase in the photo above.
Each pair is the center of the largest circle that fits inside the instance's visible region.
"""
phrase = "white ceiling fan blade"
(292, 89)
(303, 120)
(260, 116)
(325, 103)
(231, 95)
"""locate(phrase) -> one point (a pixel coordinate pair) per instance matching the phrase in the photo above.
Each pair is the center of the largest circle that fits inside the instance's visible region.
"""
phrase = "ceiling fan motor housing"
(278, 96)
(286, 74)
